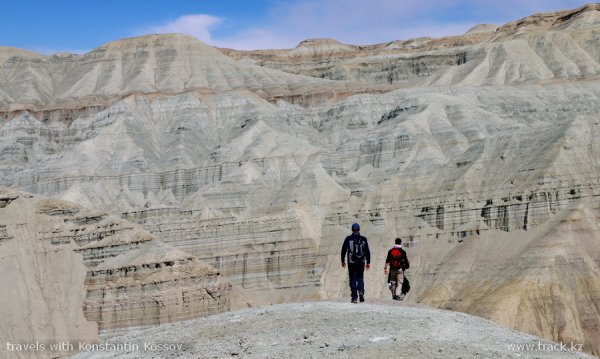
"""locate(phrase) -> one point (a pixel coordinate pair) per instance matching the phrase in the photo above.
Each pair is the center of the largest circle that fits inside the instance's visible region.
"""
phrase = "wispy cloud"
(358, 21)
(198, 25)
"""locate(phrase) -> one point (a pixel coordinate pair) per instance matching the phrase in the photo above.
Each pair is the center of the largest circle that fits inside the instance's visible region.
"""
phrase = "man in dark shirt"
(356, 250)
(398, 263)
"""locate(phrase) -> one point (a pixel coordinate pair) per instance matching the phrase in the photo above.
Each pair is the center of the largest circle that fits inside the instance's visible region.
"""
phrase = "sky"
(79, 26)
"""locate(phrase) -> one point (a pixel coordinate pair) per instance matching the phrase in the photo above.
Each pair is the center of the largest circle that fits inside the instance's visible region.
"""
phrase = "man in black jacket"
(356, 248)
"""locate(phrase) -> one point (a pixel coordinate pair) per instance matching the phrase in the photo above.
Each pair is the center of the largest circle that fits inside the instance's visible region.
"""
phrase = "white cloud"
(197, 25)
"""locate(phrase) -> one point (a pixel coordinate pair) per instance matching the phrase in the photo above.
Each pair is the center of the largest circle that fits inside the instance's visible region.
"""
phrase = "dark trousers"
(356, 273)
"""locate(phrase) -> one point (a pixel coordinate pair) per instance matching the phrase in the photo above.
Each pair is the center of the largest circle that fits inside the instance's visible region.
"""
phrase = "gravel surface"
(336, 329)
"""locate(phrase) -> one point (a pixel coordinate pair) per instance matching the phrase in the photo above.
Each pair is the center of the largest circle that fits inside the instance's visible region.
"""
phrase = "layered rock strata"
(120, 275)
(153, 285)
(66, 85)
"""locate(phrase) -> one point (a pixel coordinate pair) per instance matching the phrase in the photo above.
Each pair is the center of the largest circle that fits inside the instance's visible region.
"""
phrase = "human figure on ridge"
(398, 263)
(356, 250)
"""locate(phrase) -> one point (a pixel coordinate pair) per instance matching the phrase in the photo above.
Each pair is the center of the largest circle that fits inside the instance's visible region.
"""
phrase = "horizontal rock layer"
(256, 254)
(142, 293)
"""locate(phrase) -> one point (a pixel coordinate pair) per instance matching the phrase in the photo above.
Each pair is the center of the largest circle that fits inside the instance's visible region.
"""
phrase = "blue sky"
(79, 26)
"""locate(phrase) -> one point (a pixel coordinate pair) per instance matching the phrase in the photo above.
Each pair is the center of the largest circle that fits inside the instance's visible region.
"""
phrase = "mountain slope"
(168, 64)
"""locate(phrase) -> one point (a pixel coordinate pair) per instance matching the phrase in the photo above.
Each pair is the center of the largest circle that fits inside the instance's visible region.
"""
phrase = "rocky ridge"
(318, 329)
(537, 48)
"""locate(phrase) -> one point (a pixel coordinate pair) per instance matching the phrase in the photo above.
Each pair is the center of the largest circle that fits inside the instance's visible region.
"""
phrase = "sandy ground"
(338, 329)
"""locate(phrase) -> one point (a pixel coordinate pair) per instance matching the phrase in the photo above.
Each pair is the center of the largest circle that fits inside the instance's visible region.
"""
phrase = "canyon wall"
(480, 151)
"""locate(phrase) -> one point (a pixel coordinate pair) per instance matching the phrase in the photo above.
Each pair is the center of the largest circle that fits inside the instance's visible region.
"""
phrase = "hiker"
(356, 248)
(398, 263)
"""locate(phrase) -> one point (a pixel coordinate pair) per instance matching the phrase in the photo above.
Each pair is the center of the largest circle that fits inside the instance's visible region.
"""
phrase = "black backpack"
(357, 249)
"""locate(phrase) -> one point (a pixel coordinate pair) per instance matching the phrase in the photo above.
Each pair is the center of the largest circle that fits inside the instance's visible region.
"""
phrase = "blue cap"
(355, 227)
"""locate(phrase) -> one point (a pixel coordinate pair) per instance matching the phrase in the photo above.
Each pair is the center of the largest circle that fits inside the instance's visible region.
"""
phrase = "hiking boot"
(353, 301)
(397, 297)
(361, 297)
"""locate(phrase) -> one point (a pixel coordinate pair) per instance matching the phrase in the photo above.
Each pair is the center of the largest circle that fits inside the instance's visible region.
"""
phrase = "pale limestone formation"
(259, 173)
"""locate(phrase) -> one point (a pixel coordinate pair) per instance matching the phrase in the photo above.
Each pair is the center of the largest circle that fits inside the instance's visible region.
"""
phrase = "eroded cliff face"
(259, 173)
(72, 273)
(543, 280)
(42, 284)
(153, 285)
